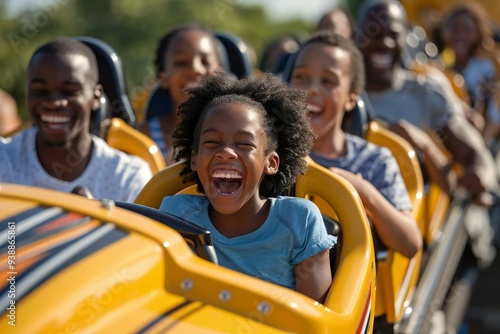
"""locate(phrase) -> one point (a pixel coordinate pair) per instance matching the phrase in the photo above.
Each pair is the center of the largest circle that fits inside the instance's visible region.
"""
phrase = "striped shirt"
(376, 164)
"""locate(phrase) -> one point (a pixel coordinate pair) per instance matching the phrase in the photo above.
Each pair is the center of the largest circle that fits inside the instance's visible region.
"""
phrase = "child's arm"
(469, 150)
(437, 165)
(313, 276)
(397, 229)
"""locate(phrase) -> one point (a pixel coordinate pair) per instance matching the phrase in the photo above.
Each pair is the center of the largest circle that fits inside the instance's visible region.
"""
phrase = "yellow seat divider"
(123, 137)
(397, 276)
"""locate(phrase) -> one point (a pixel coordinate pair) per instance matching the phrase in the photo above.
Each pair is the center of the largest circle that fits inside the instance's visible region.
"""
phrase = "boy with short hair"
(59, 152)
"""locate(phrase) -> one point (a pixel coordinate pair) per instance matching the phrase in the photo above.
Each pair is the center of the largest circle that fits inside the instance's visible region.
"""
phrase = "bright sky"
(279, 10)
(308, 10)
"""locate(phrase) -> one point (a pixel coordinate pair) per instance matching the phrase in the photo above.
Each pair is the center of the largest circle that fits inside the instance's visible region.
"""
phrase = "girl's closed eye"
(209, 143)
(246, 145)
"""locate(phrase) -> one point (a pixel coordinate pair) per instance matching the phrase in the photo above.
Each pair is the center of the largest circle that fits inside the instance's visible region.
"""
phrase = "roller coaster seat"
(397, 276)
(354, 279)
(430, 210)
(114, 120)
(238, 54)
(124, 137)
(112, 78)
(143, 274)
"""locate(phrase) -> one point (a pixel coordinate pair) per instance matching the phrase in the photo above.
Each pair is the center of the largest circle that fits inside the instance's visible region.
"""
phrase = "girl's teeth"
(227, 176)
(312, 108)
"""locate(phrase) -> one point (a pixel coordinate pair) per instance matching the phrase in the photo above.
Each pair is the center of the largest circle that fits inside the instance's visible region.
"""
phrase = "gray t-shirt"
(423, 100)
(376, 164)
(110, 174)
(293, 231)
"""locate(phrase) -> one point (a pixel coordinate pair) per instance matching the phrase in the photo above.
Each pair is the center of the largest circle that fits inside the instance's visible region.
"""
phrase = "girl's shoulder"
(181, 198)
(294, 204)
(182, 203)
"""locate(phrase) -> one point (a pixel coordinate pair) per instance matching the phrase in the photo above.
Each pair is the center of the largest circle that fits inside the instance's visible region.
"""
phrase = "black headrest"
(100, 118)
(288, 68)
(238, 53)
(111, 78)
(356, 121)
(280, 64)
(159, 103)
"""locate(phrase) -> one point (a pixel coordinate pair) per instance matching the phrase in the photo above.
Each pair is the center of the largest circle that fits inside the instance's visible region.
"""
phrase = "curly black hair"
(357, 65)
(282, 111)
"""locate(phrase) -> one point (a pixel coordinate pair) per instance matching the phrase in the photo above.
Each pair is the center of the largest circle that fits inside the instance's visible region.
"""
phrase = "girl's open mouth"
(313, 110)
(227, 182)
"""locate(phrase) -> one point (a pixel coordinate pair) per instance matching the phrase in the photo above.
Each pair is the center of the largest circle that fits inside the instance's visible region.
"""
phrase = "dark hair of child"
(341, 9)
(357, 64)
(163, 44)
(282, 111)
(275, 49)
(67, 46)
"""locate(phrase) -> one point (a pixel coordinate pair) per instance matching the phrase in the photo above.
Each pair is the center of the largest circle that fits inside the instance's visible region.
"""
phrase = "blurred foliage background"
(131, 27)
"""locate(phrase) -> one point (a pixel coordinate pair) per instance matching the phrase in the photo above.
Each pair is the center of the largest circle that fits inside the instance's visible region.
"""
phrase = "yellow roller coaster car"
(72, 264)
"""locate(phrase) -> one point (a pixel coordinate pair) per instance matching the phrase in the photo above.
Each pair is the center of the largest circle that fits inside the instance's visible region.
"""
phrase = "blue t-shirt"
(376, 164)
(293, 231)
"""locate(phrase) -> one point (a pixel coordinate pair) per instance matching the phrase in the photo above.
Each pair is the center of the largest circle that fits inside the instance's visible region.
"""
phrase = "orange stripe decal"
(363, 324)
